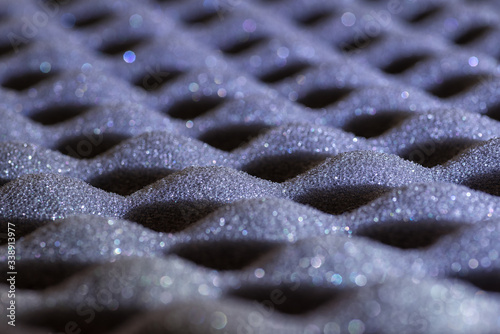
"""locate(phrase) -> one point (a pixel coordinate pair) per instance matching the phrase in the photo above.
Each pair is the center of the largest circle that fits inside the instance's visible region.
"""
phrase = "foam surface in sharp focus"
(249, 160)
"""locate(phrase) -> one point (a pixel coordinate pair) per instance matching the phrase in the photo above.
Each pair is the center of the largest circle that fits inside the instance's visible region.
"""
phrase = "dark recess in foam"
(283, 72)
(151, 81)
(290, 299)
(321, 98)
(408, 235)
(430, 154)
(314, 18)
(283, 167)
(170, 217)
(224, 255)
(102, 319)
(232, 137)
(488, 183)
(126, 182)
(494, 112)
(58, 114)
(359, 43)
(369, 126)
(7, 49)
(61, 2)
(92, 20)
(424, 15)
(119, 47)
(472, 35)
(89, 146)
(403, 64)
(48, 274)
(454, 85)
(484, 280)
(190, 109)
(23, 81)
(341, 199)
(243, 45)
(201, 18)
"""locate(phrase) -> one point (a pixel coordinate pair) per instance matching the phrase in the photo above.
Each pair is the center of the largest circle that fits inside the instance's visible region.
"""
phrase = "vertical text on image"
(11, 273)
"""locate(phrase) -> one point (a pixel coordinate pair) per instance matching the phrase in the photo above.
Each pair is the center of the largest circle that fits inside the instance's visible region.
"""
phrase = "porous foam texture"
(232, 166)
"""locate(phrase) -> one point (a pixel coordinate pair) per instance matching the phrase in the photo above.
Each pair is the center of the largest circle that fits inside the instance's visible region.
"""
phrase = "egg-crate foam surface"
(251, 166)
